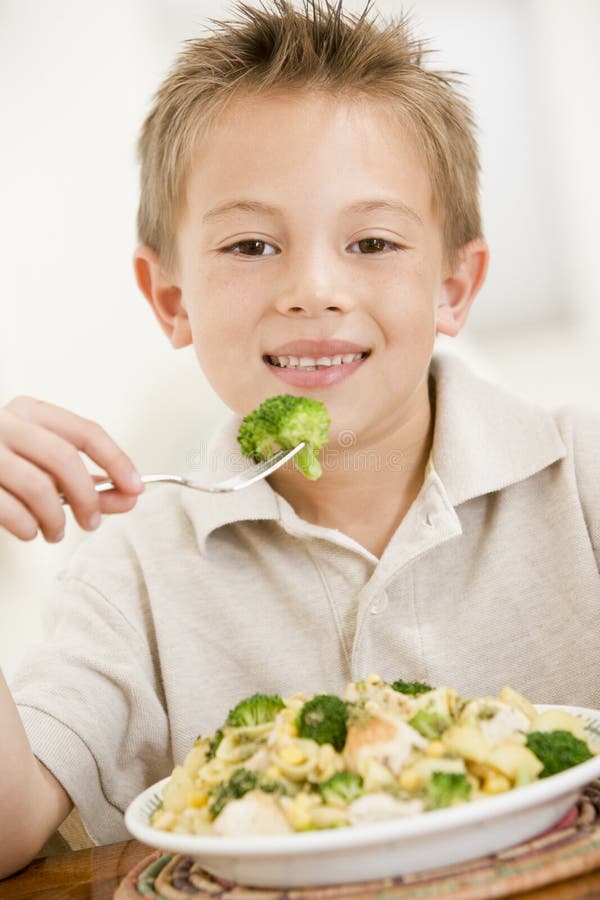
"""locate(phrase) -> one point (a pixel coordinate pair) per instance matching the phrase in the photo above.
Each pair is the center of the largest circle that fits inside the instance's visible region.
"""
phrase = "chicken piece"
(384, 740)
(254, 813)
(496, 720)
(378, 807)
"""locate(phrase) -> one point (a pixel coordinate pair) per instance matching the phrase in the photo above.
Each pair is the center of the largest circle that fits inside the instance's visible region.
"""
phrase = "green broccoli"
(557, 750)
(447, 788)
(241, 781)
(324, 720)
(430, 724)
(344, 786)
(284, 421)
(255, 710)
(411, 687)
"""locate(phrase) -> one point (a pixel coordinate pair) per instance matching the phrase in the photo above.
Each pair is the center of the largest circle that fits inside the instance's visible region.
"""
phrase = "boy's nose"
(309, 307)
(314, 292)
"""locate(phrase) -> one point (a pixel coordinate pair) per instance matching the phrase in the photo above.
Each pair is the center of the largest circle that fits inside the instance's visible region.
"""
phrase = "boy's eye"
(251, 247)
(372, 245)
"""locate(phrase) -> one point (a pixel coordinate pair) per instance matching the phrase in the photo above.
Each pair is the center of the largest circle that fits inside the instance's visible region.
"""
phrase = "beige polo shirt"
(172, 613)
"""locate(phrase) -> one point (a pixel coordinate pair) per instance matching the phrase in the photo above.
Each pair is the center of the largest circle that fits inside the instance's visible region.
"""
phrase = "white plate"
(382, 849)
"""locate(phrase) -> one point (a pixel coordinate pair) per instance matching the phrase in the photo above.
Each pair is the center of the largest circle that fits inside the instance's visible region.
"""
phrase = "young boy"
(309, 221)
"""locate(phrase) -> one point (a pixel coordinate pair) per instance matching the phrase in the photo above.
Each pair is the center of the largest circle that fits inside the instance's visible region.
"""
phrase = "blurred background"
(76, 78)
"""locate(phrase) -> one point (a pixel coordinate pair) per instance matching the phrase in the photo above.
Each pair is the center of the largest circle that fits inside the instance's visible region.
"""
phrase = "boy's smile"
(310, 261)
(313, 364)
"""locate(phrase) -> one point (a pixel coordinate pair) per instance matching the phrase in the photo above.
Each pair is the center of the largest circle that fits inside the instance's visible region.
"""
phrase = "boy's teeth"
(310, 363)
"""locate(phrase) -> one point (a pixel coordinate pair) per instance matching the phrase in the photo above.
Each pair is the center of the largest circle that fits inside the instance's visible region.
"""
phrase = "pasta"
(382, 751)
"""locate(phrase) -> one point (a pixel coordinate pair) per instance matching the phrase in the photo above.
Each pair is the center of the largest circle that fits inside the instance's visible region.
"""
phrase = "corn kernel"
(409, 780)
(197, 799)
(435, 749)
(292, 755)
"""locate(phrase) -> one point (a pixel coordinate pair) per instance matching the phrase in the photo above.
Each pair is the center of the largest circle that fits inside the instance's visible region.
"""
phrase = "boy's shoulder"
(488, 437)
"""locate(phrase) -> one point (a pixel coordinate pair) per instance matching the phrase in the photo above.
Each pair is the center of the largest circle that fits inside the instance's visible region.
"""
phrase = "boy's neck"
(366, 492)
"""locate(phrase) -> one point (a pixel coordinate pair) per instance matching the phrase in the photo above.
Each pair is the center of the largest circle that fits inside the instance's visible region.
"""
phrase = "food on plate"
(282, 422)
(280, 765)
(557, 750)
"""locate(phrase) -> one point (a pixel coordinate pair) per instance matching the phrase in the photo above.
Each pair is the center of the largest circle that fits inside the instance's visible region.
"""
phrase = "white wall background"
(76, 79)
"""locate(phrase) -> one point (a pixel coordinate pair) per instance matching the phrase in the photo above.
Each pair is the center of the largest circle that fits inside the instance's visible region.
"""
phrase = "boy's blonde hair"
(277, 46)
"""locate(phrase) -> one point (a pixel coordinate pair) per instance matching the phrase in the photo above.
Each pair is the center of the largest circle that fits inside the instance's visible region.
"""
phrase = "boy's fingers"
(116, 502)
(40, 447)
(16, 518)
(85, 435)
(33, 489)
(60, 462)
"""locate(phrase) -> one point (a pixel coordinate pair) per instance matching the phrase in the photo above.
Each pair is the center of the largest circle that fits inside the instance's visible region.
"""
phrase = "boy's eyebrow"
(377, 205)
(252, 206)
(362, 206)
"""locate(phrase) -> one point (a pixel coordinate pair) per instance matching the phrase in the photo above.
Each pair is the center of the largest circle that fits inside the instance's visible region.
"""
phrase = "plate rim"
(396, 829)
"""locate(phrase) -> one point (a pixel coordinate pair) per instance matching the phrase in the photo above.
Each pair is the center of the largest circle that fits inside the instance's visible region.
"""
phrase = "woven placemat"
(569, 849)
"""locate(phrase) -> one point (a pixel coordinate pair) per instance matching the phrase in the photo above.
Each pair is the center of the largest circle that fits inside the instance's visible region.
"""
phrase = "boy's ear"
(163, 296)
(461, 286)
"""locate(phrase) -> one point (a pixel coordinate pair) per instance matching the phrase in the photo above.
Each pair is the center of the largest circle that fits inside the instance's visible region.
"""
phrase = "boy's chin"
(342, 437)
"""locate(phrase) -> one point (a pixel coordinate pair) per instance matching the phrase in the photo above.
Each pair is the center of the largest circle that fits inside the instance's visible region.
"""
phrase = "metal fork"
(242, 480)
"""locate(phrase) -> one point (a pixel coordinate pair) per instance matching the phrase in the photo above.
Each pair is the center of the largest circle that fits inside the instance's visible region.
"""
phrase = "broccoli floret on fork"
(285, 421)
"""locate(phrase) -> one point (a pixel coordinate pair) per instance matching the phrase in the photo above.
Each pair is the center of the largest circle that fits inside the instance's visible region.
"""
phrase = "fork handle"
(107, 485)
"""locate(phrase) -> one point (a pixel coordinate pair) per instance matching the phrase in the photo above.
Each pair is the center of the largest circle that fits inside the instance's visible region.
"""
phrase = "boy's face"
(310, 233)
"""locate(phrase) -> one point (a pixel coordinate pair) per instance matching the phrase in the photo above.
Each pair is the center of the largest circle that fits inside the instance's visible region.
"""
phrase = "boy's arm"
(40, 447)
(32, 802)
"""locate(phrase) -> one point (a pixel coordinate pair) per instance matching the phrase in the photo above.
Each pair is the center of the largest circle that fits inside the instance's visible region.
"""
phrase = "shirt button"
(379, 604)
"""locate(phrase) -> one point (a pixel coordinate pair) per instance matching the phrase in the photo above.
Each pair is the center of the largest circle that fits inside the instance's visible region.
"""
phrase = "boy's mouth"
(311, 363)
(315, 364)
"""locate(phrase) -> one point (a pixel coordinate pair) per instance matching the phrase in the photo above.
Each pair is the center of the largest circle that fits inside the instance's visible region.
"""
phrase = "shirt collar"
(223, 459)
(485, 438)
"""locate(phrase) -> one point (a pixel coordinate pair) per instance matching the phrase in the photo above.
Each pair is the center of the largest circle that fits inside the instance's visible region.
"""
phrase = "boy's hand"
(39, 459)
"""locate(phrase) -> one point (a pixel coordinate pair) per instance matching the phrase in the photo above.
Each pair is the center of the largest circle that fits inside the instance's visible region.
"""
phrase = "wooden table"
(94, 875)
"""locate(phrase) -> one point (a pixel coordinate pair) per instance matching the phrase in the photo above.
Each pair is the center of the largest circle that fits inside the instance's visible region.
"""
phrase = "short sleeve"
(91, 702)
(586, 453)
